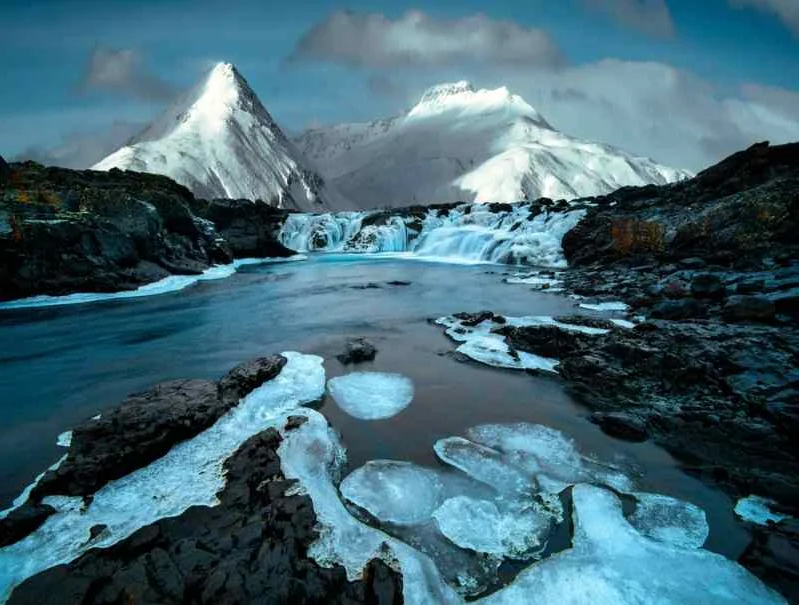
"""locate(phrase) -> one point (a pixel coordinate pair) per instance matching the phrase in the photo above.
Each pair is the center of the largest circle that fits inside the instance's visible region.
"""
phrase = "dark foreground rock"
(65, 231)
(357, 350)
(142, 429)
(251, 548)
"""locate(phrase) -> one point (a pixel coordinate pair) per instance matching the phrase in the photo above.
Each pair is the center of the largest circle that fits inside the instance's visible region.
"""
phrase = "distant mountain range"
(456, 144)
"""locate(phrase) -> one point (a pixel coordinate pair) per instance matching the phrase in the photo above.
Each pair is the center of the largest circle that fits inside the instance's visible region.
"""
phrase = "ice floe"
(611, 563)
(173, 283)
(757, 510)
(189, 474)
(371, 395)
(394, 492)
(670, 520)
(64, 439)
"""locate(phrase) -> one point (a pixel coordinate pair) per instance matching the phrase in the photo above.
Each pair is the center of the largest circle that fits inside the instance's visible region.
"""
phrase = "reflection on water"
(61, 365)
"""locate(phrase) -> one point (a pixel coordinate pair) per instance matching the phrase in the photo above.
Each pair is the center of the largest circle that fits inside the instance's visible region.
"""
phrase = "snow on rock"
(189, 474)
(394, 492)
(173, 283)
(521, 235)
(460, 143)
(219, 141)
(371, 395)
(611, 563)
(482, 344)
(757, 510)
(670, 520)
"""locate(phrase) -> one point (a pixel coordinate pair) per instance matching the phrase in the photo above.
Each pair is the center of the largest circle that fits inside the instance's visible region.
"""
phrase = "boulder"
(357, 350)
(679, 309)
(749, 308)
(22, 521)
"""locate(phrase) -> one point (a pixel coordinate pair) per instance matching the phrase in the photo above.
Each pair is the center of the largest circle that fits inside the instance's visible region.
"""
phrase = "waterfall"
(524, 234)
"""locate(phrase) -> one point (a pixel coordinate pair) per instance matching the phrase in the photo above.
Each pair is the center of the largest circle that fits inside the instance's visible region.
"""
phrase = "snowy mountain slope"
(459, 143)
(219, 141)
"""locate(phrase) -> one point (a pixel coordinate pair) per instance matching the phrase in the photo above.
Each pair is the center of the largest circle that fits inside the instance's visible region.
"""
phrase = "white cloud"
(786, 10)
(419, 40)
(650, 17)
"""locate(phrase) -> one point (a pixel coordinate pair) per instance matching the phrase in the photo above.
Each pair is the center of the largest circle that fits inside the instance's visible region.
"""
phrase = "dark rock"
(773, 556)
(295, 422)
(749, 308)
(5, 170)
(250, 548)
(692, 263)
(547, 341)
(708, 285)
(398, 282)
(357, 350)
(22, 521)
(621, 425)
(753, 286)
(675, 288)
(95, 531)
(679, 309)
(248, 376)
(472, 319)
(584, 320)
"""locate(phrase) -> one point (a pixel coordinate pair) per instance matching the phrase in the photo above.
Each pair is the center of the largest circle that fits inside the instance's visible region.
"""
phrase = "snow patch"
(605, 306)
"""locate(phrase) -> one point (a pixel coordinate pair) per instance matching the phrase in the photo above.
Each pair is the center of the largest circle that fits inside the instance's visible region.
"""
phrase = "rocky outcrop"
(65, 231)
(357, 350)
(142, 429)
(250, 548)
(248, 227)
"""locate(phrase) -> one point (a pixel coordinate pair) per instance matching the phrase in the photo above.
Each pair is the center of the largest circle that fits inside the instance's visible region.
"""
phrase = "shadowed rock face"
(65, 231)
(251, 548)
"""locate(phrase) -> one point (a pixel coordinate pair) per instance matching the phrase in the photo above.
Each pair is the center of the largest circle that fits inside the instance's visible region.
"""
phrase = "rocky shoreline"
(251, 547)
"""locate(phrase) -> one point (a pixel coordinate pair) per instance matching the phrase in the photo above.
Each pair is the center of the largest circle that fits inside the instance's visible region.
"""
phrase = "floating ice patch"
(371, 395)
(605, 306)
(479, 525)
(394, 492)
(313, 455)
(64, 439)
(670, 520)
(757, 510)
(612, 564)
(189, 474)
(173, 283)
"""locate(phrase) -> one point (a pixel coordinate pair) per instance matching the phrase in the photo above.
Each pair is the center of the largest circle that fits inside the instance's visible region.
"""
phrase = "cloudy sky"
(683, 81)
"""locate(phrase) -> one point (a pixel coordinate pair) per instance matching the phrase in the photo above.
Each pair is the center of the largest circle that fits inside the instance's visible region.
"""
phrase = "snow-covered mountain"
(219, 141)
(462, 144)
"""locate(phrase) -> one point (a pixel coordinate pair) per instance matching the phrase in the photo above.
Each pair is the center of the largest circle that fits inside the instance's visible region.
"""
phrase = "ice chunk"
(394, 492)
(623, 323)
(189, 474)
(64, 439)
(492, 350)
(480, 525)
(313, 455)
(173, 283)
(485, 465)
(757, 510)
(670, 520)
(371, 395)
(605, 306)
(612, 564)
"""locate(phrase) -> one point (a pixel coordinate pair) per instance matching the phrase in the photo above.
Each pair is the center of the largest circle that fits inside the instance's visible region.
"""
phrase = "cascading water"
(518, 234)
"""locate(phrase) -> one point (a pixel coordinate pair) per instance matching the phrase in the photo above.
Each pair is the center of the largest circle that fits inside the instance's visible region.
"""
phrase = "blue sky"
(709, 55)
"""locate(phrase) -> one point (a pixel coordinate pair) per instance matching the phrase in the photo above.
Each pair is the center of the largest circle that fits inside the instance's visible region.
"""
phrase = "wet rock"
(95, 531)
(749, 308)
(675, 288)
(679, 309)
(398, 282)
(708, 285)
(250, 548)
(546, 341)
(621, 425)
(248, 376)
(750, 286)
(295, 422)
(5, 170)
(357, 350)
(773, 555)
(22, 521)
(472, 319)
